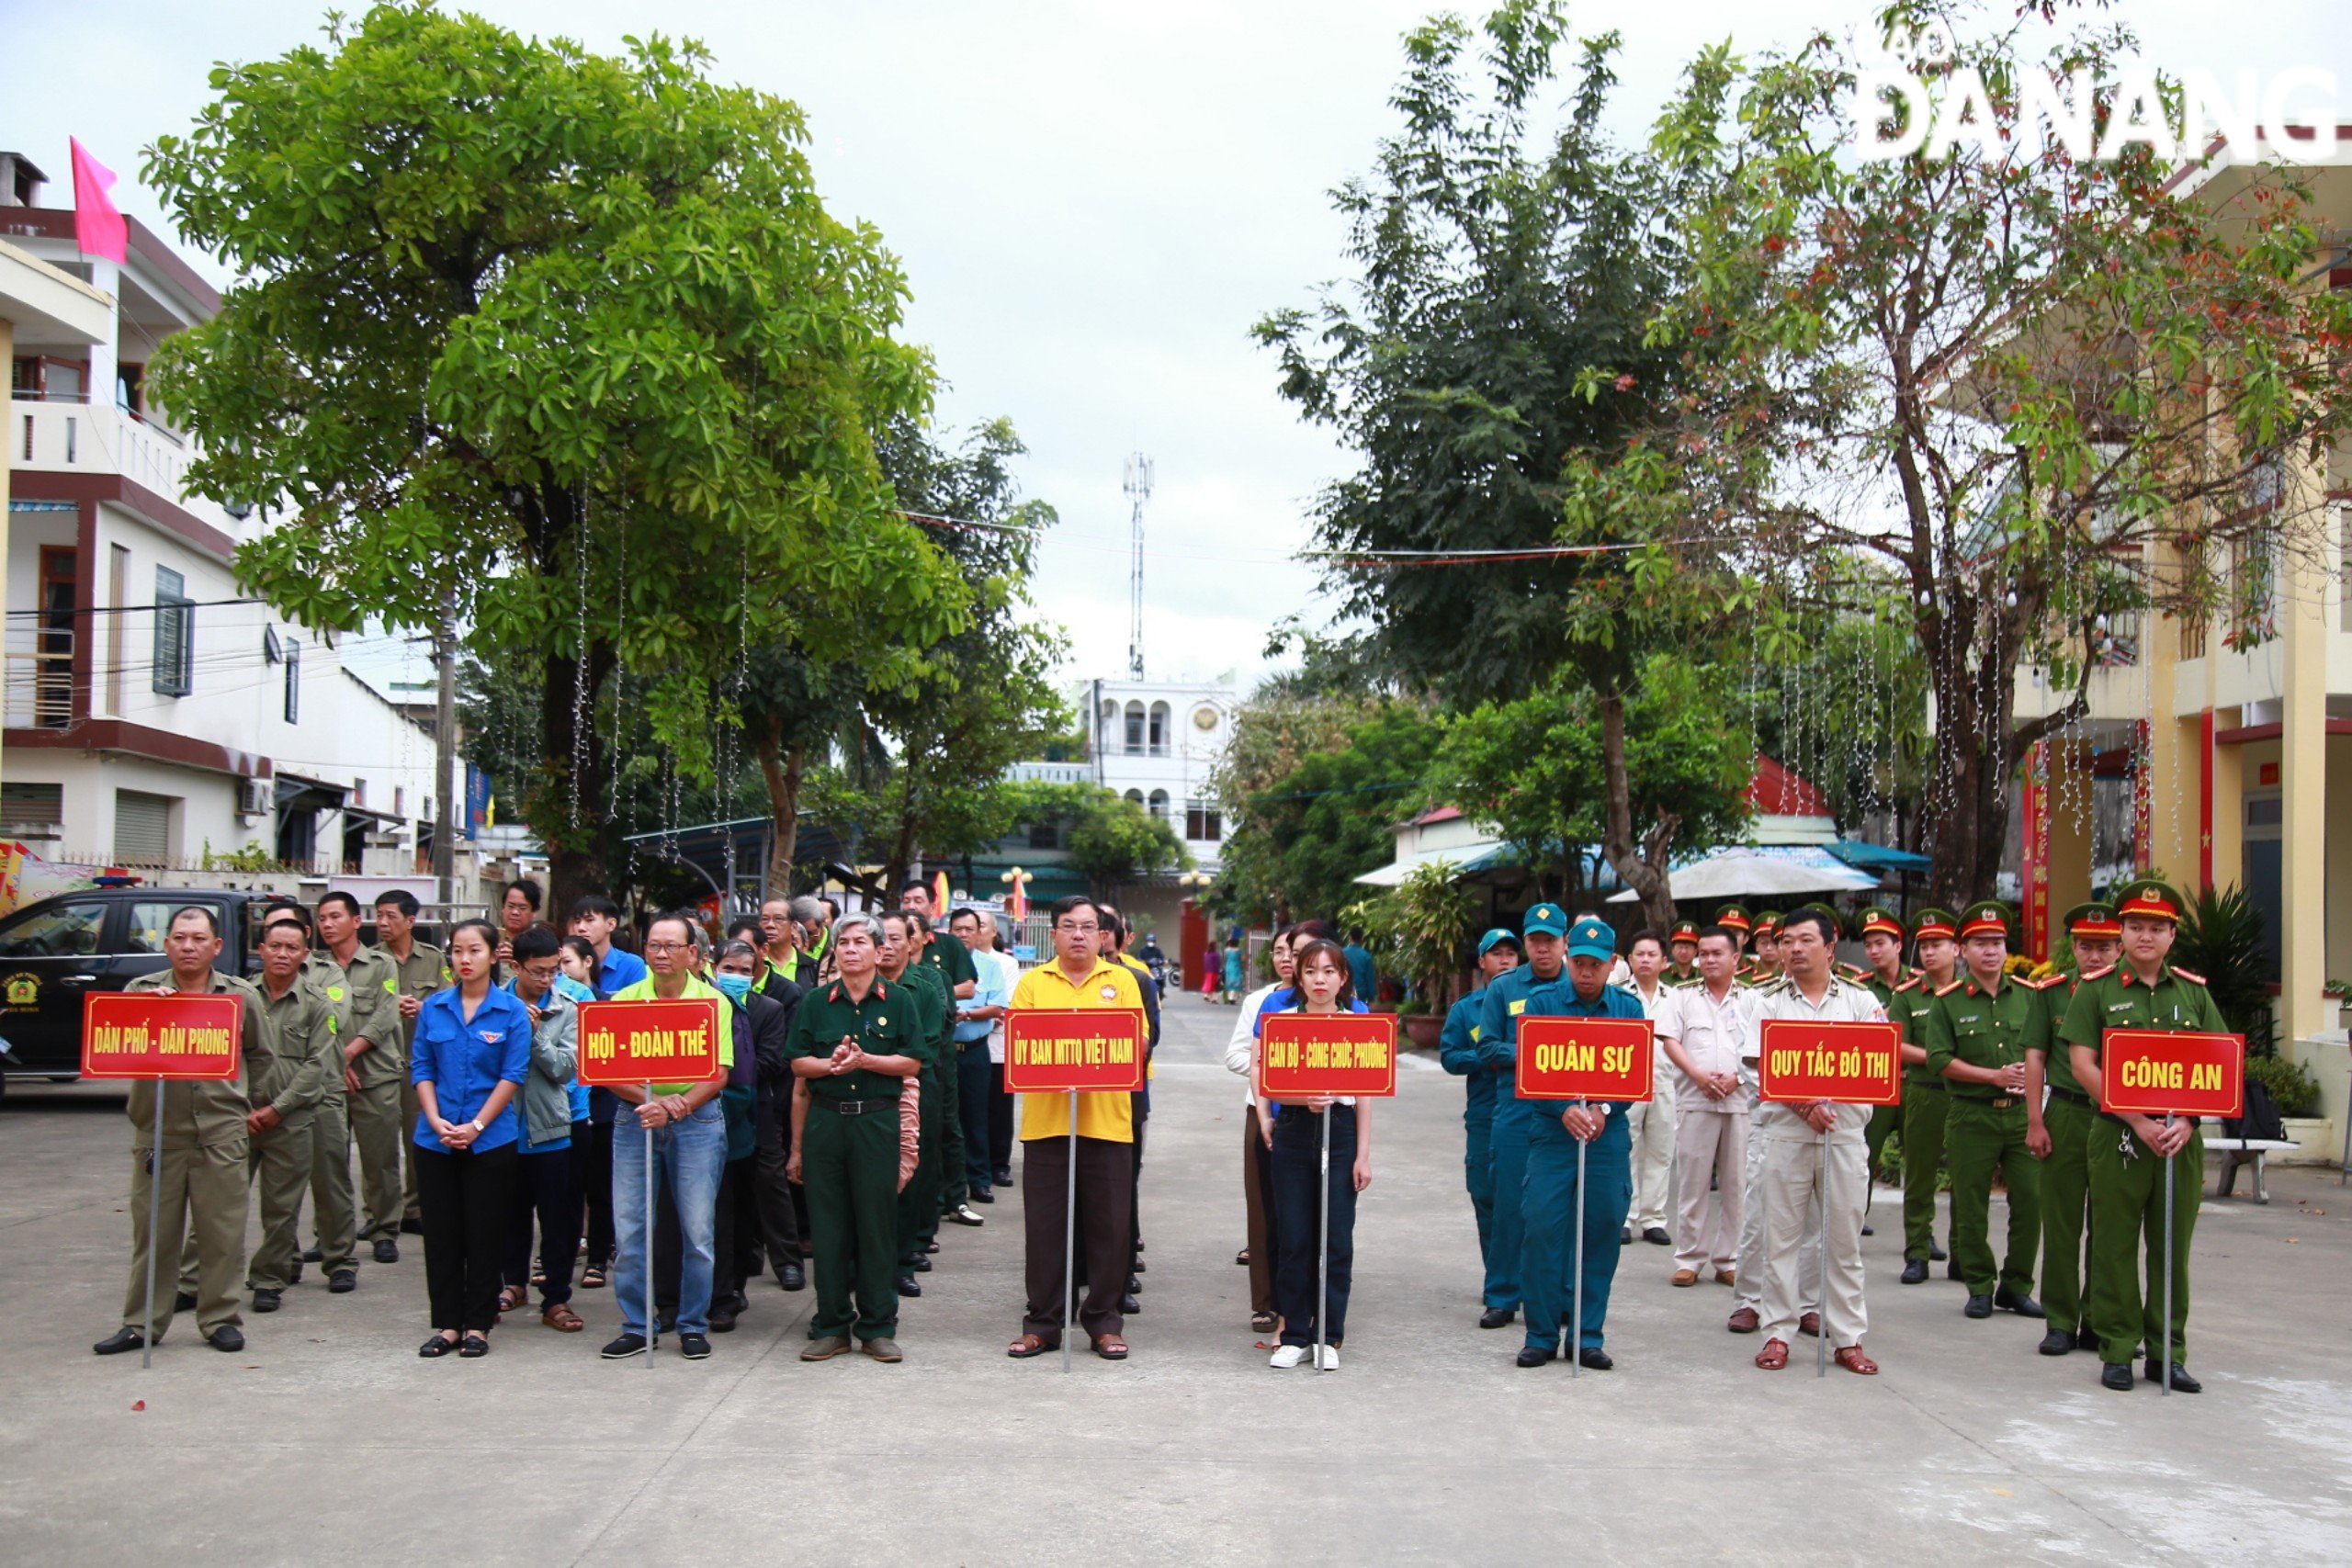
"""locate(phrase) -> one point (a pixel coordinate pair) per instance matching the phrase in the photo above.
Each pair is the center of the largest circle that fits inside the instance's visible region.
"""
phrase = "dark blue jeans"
(1298, 1169)
(975, 1079)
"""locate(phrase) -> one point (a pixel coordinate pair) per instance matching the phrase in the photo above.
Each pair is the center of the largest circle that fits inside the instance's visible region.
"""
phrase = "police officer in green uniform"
(1935, 943)
(925, 993)
(422, 969)
(200, 1163)
(1734, 918)
(1682, 955)
(2127, 1152)
(945, 955)
(362, 1102)
(1979, 1031)
(2067, 1120)
(853, 1042)
(1880, 933)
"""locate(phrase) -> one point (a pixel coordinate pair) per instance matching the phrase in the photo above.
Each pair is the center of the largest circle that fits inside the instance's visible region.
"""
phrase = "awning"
(1876, 857)
(1762, 873)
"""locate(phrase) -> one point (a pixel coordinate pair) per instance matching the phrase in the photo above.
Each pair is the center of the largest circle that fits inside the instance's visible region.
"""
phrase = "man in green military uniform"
(2068, 1120)
(1979, 1031)
(1764, 966)
(923, 990)
(1682, 955)
(301, 1044)
(362, 1102)
(1880, 933)
(1734, 918)
(853, 1045)
(2128, 1153)
(195, 1172)
(1935, 943)
(422, 969)
(945, 955)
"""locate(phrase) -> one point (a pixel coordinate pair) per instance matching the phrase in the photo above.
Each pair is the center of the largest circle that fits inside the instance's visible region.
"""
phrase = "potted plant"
(2340, 992)
(1426, 923)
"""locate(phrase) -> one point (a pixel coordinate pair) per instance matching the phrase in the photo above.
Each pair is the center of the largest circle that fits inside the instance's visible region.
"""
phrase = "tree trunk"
(575, 849)
(781, 772)
(1643, 869)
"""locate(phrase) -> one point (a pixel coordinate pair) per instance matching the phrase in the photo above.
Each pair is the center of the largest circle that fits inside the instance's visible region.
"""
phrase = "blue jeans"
(688, 1158)
(1554, 1208)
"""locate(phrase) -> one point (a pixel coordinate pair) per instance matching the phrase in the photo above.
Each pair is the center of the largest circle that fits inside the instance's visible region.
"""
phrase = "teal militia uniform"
(947, 957)
(1457, 1052)
(849, 1154)
(1497, 1052)
(924, 997)
(2126, 1177)
(1985, 1129)
(2068, 1117)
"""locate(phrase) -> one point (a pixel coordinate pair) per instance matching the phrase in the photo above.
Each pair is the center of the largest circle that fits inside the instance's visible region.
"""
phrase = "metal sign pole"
(2343, 1176)
(154, 1219)
(651, 1322)
(1821, 1195)
(2163, 1377)
(1070, 1236)
(1323, 1247)
(1576, 1321)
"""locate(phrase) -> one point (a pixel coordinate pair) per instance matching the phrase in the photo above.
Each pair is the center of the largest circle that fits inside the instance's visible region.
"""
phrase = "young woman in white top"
(1323, 987)
(1257, 1174)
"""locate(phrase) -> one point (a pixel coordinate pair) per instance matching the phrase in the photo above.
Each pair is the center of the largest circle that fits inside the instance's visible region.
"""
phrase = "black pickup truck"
(54, 952)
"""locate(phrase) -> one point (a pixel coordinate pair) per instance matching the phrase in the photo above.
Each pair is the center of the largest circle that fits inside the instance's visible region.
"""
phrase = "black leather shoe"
(183, 1301)
(1935, 1254)
(266, 1300)
(1867, 1231)
(1952, 1269)
(386, 1250)
(1915, 1270)
(982, 1195)
(227, 1338)
(1130, 1305)
(1497, 1318)
(923, 1265)
(1656, 1236)
(1593, 1358)
(2181, 1381)
(121, 1339)
(722, 1318)
(412, 1227)
(1625, 1237)
(1535, 1355)
(792, 1276)
(1978, 1306)
(2057, 1342)
(2084, 1339)
(2116, 1375)
(1140, 1267)
(1000, 1178)
(345, 1281)
(907, 1286)
(2018, 1302)
(1135, 1285)
(315, 1256)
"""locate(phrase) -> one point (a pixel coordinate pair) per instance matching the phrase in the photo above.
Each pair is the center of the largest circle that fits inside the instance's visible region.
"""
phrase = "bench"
(2236, 1152)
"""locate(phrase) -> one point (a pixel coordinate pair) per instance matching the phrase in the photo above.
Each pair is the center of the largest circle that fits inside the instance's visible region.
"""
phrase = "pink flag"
(98, 228)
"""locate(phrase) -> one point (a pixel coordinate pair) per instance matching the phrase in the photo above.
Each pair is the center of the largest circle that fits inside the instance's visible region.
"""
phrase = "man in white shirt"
(1716, 1038)
(1651, 1124)
(1801, 1173)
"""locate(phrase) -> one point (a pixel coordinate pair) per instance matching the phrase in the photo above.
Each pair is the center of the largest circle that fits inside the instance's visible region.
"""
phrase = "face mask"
(735, 986)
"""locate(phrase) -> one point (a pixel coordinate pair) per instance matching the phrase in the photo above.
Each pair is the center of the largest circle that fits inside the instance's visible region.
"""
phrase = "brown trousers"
(1106, 1175)
(1258, 1192)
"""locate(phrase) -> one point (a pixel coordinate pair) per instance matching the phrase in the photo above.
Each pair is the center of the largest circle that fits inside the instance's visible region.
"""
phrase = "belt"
(2078, 1095)
(853, 1106)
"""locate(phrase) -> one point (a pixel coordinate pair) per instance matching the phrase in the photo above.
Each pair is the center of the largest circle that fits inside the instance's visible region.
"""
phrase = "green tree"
(562, 345)
(1113, 840)
(1306, 835)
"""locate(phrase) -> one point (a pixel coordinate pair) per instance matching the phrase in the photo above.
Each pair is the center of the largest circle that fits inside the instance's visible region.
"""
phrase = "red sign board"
(1055, 1050)
(1302, 1054)
(1849, 1064)
(649, 1042)
(1586, 1058)
(162, 1034)
(2152, 1071)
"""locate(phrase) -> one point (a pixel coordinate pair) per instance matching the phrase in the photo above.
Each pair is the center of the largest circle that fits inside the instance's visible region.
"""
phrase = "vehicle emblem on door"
(23, 990)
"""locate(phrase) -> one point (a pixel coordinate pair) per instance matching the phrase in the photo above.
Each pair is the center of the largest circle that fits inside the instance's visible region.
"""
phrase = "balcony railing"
(39, 682)
(54, 435)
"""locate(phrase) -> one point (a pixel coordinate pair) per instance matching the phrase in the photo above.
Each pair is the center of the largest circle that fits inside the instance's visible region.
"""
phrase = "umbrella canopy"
(1757, 874)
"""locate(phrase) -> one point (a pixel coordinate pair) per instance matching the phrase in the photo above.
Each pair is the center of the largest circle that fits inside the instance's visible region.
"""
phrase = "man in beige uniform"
(1717, 1036)
(1793, 1167)
(300, 1042)
(422, 969)
(201, 1162)
(1651, 1121)
(362, 1103)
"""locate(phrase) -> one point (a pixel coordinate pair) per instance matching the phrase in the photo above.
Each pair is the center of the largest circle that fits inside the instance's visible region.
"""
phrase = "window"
(1204, 823)
(293, 682)
(174, 658)
(1136, 796)
(1158, 805)
(68, 930)
(142, 828)
(1135, 730)
(1158, 729)
(1045, 836)
(31, 805)
(149, 923)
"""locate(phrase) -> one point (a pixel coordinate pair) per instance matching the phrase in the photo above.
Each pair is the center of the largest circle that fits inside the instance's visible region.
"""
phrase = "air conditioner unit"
(257, 798)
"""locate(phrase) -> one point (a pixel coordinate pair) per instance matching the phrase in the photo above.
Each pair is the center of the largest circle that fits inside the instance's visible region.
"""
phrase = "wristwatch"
(476, 1125)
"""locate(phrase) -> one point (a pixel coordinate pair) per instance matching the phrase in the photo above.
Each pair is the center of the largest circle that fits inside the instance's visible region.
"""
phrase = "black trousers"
(465, 1200)
(1296, 1160)
(547, 1199)
(734, 1237)
(975, 1075)
(779, 1214)
(594, 1171)
(1000, 1122)
(1106, 1175)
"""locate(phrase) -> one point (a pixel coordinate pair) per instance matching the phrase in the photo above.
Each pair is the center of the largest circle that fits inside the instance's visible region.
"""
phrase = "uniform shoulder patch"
(2101, 974)
(2047, 981)
(2179, 973)
(1913, 984)
(1946, 990)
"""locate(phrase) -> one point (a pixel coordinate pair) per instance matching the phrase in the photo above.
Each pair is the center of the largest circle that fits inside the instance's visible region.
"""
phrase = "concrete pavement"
(328, 1438)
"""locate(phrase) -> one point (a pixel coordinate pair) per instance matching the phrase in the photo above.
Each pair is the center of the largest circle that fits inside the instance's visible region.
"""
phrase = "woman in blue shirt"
(1324, 986)
(471, 1053)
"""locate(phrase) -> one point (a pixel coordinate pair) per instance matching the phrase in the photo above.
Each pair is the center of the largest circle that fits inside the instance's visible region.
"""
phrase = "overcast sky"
(1093, 203)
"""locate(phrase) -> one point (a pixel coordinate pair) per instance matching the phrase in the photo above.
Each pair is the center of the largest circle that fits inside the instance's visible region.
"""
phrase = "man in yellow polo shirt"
(1078, 977)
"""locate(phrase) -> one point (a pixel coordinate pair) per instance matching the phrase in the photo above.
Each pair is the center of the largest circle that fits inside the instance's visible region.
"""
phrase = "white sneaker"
(1286, 1356)
(1327, 1358)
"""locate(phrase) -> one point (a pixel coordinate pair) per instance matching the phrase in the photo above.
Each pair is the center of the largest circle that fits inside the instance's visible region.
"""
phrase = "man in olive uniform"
(945, 954)
(853, 1042)
(2126, 1154)
(1682, 955)
(923, 990)
(362, 1102)
(1979, 1031)
(301, 1043)
(1880, 933)
(1935, 943)
(422, 969)
(2068, 1120)
(199, 1160)
(1734, 918)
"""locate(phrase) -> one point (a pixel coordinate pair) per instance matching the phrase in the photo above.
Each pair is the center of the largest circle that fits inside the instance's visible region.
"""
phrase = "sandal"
(1773, 1356)
(560, 1316)
(1262, 1322)
(474, 1346)
(1028, 1345)
(1853, 1360)
(1242, 1258)
(439, 1345)
(1110, 1346)
(592, 1278)
(514, 1298)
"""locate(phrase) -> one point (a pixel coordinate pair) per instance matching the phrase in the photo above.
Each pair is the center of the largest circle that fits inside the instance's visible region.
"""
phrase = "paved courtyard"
(330, 1439)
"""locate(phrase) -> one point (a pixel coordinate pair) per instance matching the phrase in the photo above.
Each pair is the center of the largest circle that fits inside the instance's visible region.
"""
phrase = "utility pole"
(1137, 486)
(444, 748)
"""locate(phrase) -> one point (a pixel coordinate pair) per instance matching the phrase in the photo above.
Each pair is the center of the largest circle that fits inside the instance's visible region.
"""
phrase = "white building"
(152, 718)
(1155, 742)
